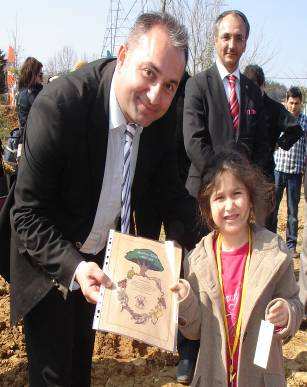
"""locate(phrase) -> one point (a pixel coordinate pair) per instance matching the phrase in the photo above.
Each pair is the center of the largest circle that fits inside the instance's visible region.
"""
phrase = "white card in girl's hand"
(264, 344)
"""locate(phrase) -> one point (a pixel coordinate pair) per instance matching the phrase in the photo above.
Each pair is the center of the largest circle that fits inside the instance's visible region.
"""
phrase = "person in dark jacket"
(29, 85)
(282, 127)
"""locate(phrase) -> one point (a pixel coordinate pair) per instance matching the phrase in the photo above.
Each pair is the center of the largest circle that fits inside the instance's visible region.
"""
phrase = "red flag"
(11, 57)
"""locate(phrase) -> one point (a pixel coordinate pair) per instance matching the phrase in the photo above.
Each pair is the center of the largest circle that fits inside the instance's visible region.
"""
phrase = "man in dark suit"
(82, 149)
(222, 105)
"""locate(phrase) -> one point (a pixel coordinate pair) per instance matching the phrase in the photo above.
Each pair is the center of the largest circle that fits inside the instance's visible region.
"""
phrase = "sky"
(45, 26)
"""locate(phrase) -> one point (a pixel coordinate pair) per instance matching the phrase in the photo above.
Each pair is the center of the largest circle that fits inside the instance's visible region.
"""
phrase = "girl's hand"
(278, 314)
(180, 289)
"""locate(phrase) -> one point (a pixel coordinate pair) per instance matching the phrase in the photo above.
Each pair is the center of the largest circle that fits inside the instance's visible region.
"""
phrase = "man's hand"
(278, 314)
(89, 276)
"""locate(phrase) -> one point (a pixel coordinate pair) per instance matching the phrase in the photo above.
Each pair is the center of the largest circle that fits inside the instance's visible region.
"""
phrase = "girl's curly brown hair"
(261, 192)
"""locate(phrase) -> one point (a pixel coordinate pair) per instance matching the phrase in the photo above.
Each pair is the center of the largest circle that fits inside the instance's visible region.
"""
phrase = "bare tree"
(199, 17)
(258, 51)
(62, 62)
(15, 43)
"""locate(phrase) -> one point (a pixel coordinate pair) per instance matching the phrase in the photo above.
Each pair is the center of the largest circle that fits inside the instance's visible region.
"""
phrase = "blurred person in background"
(289, 169)
(29, 85)
(282, 128)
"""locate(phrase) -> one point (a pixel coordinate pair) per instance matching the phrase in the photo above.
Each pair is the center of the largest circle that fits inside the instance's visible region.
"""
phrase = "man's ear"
(122, 54)
(245, 43)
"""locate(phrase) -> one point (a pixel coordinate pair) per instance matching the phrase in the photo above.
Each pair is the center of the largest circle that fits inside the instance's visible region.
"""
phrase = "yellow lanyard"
(232, 350)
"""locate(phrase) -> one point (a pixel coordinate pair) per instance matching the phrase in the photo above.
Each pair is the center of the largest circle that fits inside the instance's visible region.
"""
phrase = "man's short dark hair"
(231, 12)
(177, 32)
(294, 92)
(255, 74)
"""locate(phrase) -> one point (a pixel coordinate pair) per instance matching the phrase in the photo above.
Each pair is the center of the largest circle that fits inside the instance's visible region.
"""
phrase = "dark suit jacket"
(60, 178)
(207, 123)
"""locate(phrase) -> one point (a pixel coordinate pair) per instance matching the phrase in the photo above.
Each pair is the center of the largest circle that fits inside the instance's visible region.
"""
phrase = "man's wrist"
(74, 285)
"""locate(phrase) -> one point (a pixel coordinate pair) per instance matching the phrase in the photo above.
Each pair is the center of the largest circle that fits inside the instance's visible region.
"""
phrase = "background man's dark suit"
(207, 123)
(58, 186)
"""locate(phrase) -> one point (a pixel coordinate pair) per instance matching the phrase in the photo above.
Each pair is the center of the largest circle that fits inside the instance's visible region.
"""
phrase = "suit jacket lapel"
(99, 130)
(243, 96)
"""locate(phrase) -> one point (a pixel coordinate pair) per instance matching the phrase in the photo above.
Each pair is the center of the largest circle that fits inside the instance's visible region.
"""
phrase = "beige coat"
(270, 277)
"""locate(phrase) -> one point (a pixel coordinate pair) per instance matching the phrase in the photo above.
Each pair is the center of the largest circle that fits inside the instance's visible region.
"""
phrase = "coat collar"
(243, 95)
(266, 261)
(99, 128)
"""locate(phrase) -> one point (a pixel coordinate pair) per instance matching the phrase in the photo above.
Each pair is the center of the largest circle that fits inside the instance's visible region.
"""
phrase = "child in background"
(236, 276)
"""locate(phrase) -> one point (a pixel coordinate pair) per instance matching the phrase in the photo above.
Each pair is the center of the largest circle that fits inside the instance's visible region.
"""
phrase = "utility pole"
(119, 23)
(163, 6)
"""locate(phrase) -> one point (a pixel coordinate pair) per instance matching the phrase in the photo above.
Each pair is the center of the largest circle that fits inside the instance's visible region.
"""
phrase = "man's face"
(147, 76)
(294, 105)
(230, 42)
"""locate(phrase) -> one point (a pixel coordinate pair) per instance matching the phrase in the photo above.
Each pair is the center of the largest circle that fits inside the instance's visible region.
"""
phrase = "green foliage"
(8, 121)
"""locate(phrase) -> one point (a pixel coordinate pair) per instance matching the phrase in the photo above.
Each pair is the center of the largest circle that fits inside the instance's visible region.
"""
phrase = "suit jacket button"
(78, 245)
(55, 283)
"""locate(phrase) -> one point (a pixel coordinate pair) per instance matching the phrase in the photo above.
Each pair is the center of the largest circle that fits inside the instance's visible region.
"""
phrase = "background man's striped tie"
(233, 101)
(126, 185)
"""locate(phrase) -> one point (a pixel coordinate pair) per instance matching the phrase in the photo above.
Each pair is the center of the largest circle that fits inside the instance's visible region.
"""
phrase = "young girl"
(236, 276)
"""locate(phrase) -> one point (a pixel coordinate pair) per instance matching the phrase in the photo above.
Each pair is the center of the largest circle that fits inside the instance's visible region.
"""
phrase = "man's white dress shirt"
(109, 204)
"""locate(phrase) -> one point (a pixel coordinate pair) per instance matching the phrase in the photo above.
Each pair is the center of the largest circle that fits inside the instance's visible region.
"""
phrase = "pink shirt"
(232, 273)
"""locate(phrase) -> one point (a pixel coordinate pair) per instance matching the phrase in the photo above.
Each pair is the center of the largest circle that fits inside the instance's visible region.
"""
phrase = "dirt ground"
(120, 362)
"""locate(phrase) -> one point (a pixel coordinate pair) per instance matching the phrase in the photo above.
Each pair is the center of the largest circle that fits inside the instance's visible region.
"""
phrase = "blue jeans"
(292, 182)
(187, 349)
(303, 268)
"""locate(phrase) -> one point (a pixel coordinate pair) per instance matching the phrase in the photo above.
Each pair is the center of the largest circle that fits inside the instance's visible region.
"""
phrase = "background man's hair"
(231, 12)
(294, 92)
(255, 74)
(177, 32)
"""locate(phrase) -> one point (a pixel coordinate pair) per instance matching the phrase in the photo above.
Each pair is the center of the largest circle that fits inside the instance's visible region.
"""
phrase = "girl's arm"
(285, 310)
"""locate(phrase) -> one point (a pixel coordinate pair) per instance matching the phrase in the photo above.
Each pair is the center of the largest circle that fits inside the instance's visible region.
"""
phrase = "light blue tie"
(126, 185)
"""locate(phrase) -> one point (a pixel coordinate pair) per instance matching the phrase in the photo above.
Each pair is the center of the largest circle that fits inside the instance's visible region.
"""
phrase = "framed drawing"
(140, 304)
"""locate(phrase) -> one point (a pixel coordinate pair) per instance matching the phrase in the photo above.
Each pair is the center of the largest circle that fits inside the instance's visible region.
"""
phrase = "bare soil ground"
(120, 362)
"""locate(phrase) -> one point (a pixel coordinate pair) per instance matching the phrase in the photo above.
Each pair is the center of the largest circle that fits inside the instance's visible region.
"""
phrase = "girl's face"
(230, 204)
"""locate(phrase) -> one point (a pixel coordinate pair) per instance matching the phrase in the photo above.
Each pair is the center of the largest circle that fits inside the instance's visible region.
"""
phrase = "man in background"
(222, 105)
(282, 127)
(289, 168)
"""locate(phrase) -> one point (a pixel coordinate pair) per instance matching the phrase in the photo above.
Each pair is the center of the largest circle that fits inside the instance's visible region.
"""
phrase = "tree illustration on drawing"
(139, 294)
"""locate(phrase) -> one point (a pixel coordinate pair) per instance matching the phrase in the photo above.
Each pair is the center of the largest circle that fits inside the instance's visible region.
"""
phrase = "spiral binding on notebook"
(170, 254)
(99, 305)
